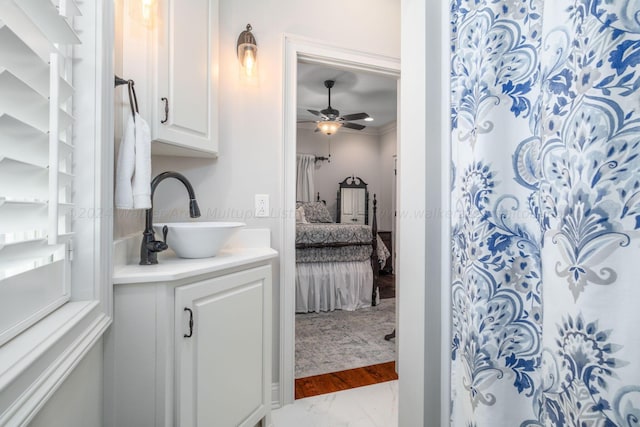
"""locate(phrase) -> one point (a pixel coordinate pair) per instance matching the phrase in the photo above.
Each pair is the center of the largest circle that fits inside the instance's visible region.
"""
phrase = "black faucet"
(150, 246)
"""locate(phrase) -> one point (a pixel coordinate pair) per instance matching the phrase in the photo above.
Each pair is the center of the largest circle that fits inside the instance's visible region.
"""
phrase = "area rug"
(339, 340)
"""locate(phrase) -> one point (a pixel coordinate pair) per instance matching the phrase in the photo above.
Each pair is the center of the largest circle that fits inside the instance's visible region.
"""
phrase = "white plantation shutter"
(36, 162)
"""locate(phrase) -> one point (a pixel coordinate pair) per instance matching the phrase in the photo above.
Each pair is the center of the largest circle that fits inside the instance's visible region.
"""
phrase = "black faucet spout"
(150, 246)
(194, 209)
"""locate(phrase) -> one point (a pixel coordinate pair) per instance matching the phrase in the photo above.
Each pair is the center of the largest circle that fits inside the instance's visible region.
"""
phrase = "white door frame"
(312, 51)
(423, 205)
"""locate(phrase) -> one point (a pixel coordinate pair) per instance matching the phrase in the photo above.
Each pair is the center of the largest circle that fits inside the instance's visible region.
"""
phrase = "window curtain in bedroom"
(546, 196)
(305, 169)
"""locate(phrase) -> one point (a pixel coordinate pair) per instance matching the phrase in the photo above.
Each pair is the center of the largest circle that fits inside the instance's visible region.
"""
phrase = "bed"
(336, 263)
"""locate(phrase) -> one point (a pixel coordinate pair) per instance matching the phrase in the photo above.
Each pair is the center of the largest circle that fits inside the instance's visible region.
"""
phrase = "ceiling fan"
(330, 118)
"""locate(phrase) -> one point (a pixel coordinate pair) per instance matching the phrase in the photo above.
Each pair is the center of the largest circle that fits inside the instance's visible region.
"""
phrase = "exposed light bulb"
(368, 119)
(249, 61)
(247, 54)
(147, 12)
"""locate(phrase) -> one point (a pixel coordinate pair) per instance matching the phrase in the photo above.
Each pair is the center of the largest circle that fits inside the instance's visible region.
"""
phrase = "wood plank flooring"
(343, 380)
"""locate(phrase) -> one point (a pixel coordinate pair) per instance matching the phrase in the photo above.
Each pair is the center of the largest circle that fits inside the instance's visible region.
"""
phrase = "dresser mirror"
(353, 201)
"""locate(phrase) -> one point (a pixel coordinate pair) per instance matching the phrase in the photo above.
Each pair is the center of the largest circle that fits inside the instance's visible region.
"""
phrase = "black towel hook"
(133, 99)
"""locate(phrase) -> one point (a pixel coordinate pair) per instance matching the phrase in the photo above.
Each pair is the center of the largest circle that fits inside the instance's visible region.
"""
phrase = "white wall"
(78, 401)
(367, 155)
(251, 116)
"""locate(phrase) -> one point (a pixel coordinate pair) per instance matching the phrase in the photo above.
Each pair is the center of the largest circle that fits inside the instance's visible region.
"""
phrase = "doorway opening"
(362, 156)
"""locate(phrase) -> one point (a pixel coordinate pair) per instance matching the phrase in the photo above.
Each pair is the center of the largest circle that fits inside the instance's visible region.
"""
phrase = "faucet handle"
(157, 246)
(165, 231)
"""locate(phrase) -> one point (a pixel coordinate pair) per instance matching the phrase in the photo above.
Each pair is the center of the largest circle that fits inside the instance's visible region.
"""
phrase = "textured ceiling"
(354, 92)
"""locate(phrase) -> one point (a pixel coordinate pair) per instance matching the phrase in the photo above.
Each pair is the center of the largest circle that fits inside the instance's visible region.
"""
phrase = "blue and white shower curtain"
(546, 191)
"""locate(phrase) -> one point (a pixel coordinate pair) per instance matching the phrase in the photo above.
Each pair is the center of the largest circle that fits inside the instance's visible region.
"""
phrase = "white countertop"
(249, 246)
(170, 267)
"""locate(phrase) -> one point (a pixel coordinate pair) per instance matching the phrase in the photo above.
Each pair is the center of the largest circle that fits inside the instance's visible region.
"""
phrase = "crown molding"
(389, 127)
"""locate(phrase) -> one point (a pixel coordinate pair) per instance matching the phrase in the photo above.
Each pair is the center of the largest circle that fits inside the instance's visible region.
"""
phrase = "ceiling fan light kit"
(331, 120)
(328, 127)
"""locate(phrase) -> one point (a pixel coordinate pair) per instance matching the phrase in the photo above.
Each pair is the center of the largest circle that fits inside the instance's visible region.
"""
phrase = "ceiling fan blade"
(306, 121)
(356, 116)
(317, 130)
(315, 113)
(353, 126)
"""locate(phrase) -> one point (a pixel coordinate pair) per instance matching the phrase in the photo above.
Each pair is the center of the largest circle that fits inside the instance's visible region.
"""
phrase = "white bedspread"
(333, 286)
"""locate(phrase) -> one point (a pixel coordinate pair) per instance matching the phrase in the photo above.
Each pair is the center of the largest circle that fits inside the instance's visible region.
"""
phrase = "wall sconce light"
(328, 127)
(247, 51)
(148, 12)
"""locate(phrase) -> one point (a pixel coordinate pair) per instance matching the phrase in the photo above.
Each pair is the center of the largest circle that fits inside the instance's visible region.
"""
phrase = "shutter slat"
(66, 179)
(24, 63)
(22, 142)
(16, 259)
(71, 9)
(46, 17)
(21, 202)
(21, 221)
(22, 236)
(33, 108)
(16, 19)
(29, 249)
(23, 180)
(67, 8)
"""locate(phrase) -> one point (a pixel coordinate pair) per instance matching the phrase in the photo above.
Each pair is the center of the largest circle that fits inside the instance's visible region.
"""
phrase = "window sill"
(36, 362)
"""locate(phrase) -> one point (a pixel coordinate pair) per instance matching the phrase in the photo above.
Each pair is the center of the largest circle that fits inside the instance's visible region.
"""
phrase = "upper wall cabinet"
(172, 55)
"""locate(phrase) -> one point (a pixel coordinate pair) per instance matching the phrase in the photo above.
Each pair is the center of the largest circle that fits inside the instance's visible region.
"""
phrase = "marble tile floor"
(370, 406)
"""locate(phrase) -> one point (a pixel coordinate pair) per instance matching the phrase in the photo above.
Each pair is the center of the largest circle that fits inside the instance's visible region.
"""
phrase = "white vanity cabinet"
(172, 56)
(220, 363)
(192, 352)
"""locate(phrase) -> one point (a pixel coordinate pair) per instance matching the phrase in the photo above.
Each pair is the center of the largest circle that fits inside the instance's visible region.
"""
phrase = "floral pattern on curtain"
(546, 191)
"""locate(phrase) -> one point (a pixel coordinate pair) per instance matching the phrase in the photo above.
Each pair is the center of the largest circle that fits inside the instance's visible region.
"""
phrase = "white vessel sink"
(197, 239)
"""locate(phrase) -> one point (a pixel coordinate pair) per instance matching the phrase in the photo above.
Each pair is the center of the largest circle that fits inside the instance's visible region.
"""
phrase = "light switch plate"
(262, 205)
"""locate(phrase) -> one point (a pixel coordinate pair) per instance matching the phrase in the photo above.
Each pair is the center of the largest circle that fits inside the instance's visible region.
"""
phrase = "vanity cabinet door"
(186, 91)
(223, 366)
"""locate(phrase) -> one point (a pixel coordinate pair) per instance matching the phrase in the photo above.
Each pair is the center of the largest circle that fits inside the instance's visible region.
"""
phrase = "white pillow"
(300, 218)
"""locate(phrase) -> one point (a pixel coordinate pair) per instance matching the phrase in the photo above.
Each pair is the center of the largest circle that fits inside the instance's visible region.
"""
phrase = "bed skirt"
(328, 286)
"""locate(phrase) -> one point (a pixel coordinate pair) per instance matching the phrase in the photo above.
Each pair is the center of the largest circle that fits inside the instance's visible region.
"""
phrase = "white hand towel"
(142, 177)
(125, 167)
